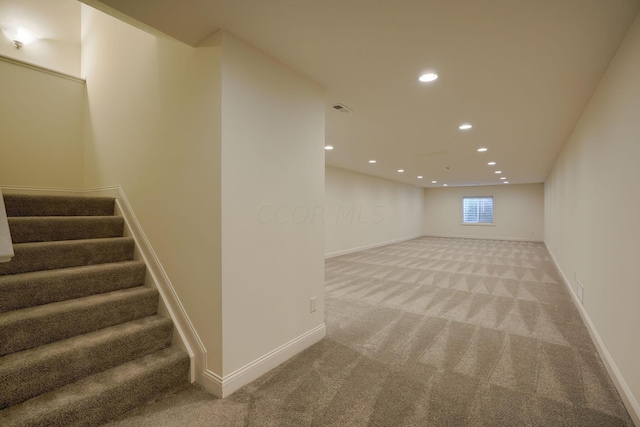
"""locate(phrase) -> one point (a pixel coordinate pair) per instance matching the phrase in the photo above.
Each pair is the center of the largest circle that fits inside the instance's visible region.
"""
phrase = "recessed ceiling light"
(465, 126)
(372, 161)
(506, 182)
(444, 185)
(428, 77)
(503, 178)
(498, 172)
(434, 182)
(419, 176)
(400, 170)
(328, 147)
(491, 163)
(482, 149)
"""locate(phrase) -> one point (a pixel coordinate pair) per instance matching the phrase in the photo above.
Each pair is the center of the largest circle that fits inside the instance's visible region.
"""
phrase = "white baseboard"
(45, 191)
(371, 246)
(621, 385)
(509, 239)
(223, 387)
(156, 275)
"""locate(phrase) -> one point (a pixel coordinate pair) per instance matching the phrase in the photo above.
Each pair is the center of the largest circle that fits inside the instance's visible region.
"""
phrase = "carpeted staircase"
(80, 338)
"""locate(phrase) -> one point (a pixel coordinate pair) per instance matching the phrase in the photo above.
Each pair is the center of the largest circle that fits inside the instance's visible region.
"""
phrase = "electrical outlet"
(580, 290)
(312, 304)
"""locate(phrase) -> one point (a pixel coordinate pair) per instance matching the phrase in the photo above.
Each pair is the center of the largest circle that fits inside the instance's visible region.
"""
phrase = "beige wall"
(201, 140)
(40, 128)
(55, 22)
(592, 205)
(272, 159)
(153, 127)
(363, 211)
(518, 212)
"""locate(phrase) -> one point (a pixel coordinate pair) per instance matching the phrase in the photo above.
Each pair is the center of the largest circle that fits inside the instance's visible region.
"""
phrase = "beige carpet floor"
(429, 332)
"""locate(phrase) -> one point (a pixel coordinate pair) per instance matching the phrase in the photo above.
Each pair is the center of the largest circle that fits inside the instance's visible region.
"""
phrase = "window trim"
(481, 224)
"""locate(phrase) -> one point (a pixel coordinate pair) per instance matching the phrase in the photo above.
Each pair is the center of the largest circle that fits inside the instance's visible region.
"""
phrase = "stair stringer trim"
(186, 331)
(6, 245)
(156, 275)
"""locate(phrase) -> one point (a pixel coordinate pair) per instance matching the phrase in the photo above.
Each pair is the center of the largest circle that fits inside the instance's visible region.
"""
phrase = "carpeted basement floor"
(429, 332)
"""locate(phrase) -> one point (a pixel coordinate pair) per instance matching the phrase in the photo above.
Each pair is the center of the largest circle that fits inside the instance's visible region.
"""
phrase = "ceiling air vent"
(342, 108)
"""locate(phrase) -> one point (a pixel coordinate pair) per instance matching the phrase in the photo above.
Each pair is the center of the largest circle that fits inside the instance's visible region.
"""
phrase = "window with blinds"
(477, 210)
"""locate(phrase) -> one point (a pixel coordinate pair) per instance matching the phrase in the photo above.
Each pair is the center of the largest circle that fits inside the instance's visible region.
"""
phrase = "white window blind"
(477, 210)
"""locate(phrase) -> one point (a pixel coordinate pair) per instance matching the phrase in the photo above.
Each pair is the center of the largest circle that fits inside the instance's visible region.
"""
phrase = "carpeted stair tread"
(68, 253)
(28, 373)
(24, 290)
(36, 326)
(28, 205)
(104, 396)
(52, 228)
(80, 338)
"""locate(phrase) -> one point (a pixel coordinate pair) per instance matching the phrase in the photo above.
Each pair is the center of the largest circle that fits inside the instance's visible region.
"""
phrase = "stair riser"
(32, 289)
(49, 325)
(72, 360)
(98, 399)
(49, 256)
(48, 229)
(23, 205)
(80, 339)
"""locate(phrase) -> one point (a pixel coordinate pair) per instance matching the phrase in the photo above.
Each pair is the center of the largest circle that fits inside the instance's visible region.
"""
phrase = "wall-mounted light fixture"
(20, 36)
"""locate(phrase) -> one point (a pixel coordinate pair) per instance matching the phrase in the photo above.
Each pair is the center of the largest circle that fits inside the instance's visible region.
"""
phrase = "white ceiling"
(521, 71)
